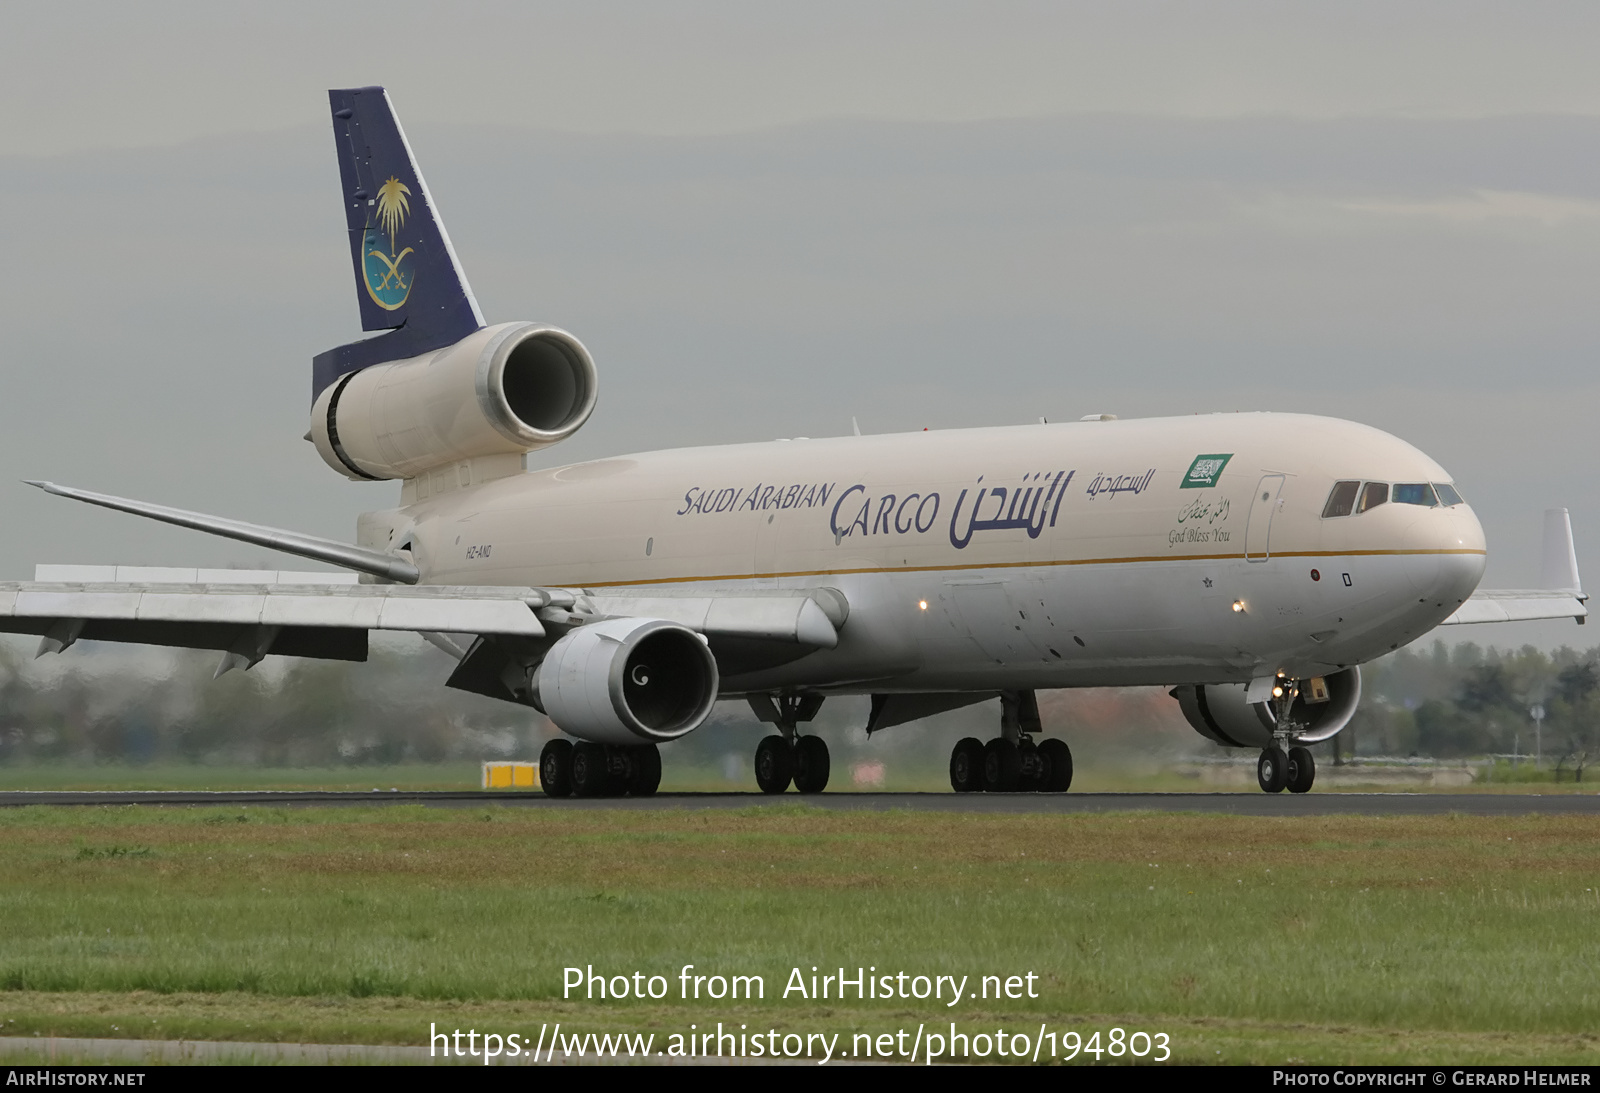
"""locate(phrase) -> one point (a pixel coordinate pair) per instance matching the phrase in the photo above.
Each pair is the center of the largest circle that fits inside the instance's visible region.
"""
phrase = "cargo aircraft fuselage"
(1249, 561)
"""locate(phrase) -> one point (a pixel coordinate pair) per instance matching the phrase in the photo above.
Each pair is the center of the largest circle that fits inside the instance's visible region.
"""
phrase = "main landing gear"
(786, 756)
(1012, 762)
(586, 769)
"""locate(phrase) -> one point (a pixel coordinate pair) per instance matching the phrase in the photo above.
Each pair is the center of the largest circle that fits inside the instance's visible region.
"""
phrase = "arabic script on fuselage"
(1109, 485)
(1198, 520)
(1030, 505)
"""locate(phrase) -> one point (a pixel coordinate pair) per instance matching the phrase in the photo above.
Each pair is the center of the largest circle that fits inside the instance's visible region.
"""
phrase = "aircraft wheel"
(1002, 766)
(555, 768)
(774, 764)
(811, 764)
(1272, 770)
(966, 766)
(1058, 765)
(1033, 776)
(590, 776)
(1302, 770)
(644, 775)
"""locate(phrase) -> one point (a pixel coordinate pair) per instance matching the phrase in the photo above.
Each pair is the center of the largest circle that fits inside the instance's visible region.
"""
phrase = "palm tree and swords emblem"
(388, 275)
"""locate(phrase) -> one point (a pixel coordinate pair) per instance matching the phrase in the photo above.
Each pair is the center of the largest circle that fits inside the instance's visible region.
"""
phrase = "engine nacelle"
(1219, 712)
(629, 681)
(503, 390)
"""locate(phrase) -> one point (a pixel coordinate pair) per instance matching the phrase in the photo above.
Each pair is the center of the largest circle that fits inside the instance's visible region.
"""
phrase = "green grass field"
(1333, 939)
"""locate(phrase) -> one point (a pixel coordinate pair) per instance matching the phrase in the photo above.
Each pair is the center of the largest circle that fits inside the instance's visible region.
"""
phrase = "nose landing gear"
(1272, 769)
(1293, 770)
(1278, 769)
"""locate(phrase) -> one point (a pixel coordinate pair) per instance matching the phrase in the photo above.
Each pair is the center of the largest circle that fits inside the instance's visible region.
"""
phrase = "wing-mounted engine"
(629, 681)
(504, 390)
(1220, 711)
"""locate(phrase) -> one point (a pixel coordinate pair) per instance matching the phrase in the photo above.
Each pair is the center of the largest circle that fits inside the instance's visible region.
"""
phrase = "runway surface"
(1240, 804)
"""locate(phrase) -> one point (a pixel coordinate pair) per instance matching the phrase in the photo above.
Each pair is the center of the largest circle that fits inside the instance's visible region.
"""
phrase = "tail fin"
(408, 280)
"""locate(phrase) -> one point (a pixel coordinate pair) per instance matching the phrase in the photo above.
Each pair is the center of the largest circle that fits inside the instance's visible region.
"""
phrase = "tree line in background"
(1465, 700)
(99, 703)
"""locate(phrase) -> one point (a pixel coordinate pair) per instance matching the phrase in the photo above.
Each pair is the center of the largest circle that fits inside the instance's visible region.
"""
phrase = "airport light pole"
(1536, 711)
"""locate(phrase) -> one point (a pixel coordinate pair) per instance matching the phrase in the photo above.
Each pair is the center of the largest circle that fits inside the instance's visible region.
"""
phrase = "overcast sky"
(764, 219)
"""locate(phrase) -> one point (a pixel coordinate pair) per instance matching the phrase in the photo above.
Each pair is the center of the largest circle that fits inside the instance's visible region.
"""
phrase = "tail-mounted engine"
(628, 681)
(1322, 707)
(503, 390)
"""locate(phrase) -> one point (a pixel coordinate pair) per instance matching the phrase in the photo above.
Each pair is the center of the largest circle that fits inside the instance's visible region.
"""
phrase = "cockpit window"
(1414, 493)
(1374, 495)
(1342, 501)
(1359, 497)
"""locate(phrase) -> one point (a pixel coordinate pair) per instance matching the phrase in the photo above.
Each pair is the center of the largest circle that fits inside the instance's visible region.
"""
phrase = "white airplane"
(1251, 562)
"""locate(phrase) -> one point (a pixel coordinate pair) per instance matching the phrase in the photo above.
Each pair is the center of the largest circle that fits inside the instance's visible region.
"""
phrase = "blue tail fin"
(408, 280)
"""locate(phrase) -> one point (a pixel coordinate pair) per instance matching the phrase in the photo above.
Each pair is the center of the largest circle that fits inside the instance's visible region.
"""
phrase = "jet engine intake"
(507, 389)
(1219, 712)
(629, 681)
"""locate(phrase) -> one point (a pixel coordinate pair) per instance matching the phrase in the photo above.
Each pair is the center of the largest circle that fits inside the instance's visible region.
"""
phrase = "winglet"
(1560, 568)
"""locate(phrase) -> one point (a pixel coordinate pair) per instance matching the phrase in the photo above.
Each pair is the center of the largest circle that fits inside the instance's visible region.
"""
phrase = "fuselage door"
(1258, 533)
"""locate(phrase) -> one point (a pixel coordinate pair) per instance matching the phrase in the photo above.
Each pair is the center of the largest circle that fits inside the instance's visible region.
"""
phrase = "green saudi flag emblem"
(1204, 471)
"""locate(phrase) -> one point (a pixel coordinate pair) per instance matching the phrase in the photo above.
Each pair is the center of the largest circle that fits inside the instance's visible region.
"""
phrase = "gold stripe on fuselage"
(1025, 565)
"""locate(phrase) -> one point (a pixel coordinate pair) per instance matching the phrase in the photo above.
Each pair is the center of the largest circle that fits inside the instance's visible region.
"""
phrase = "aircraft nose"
(1468, 532)
(1454, 537)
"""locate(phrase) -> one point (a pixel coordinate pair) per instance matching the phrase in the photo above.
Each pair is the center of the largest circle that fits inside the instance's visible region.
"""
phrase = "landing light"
(923, 604)
(1238, 605)
(1277, 692)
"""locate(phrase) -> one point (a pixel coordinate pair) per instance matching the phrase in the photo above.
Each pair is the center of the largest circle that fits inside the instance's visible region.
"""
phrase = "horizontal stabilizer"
(345, 555)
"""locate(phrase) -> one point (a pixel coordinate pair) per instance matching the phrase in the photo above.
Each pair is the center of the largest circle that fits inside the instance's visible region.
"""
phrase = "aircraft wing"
(1519, 605)
(251, 614)
(1562, 596)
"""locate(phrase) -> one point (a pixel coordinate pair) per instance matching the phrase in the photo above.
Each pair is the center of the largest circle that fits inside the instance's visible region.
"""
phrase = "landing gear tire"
(591, 775)
(644, 773)
(1302, 770)
(1272, 770)
(774, 764)
(1033, 776)
(555, 768)
(1002, 766)
(811, 764)
(1057, 765)
(966, 766)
